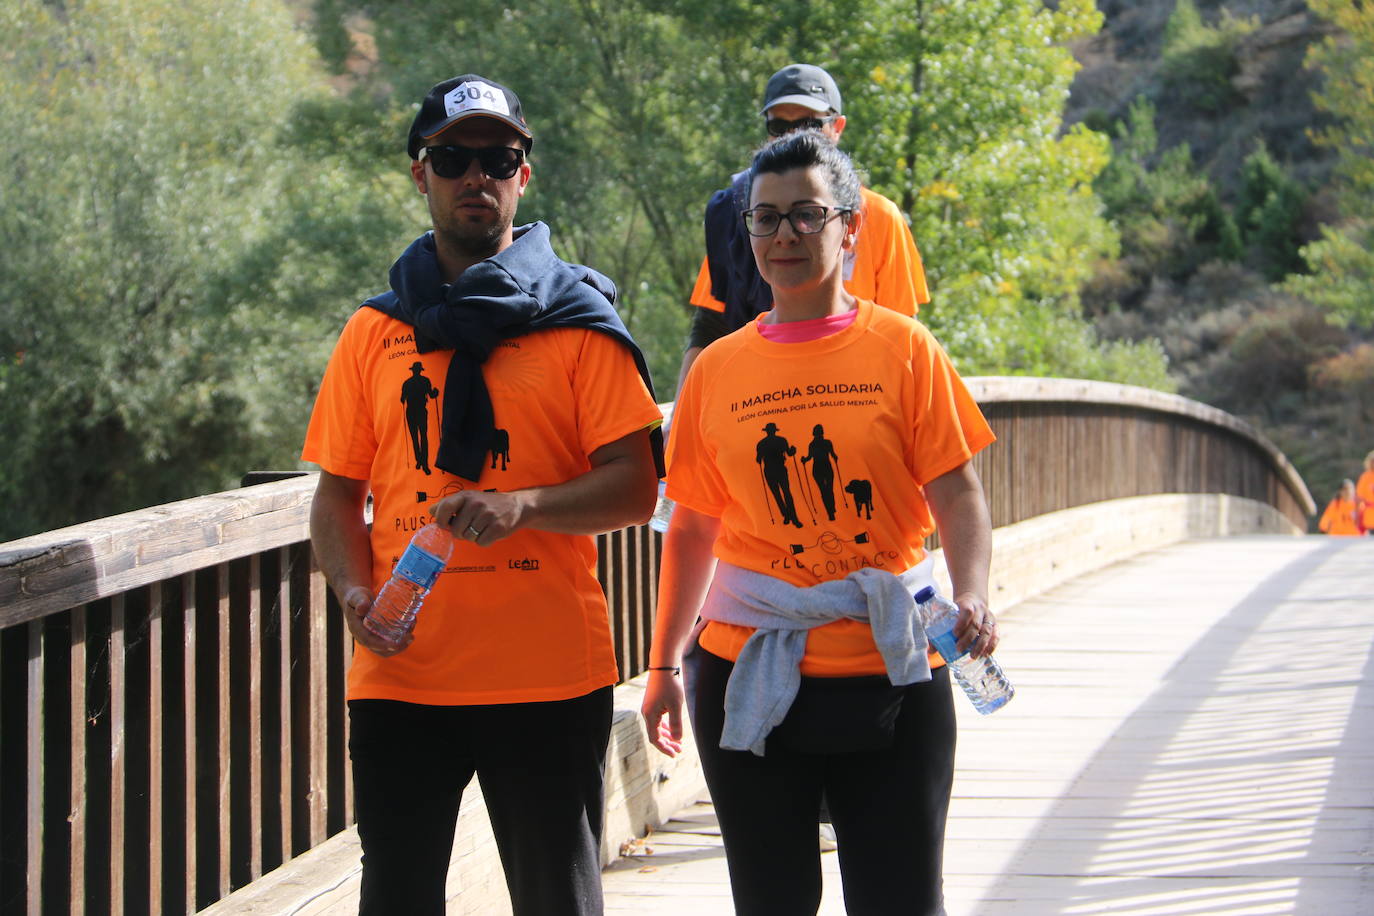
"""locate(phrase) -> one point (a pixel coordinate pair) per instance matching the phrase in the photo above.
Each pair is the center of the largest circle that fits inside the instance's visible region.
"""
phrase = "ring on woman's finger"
(474, 532)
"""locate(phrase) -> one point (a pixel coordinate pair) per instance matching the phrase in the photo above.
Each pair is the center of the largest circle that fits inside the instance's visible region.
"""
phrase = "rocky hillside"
(1202, 256)
(1271, 96)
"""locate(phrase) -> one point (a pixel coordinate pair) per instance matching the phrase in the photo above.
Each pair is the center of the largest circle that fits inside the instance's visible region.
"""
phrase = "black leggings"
(541, 767)
(888, 807)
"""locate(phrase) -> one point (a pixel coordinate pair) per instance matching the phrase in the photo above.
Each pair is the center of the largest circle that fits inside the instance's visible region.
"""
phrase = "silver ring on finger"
(474, 532)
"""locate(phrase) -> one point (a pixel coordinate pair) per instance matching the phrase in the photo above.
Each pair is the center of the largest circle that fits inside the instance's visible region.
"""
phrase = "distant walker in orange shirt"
(1364, 494)
(1340, 515)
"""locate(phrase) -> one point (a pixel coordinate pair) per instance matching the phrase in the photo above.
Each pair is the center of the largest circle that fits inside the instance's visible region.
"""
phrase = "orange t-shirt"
(1364, 494)
(885, 266)
(1339, 518)
(813, 455)
(525, 619)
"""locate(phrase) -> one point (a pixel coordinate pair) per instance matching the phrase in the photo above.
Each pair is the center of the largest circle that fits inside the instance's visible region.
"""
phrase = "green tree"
(958, 114)
(170, 243)
(1342, 260)
(1270, 211)
(1198, 60)
(1170, 216)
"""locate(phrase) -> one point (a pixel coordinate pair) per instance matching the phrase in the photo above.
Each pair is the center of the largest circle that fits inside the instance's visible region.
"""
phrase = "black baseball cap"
(802, 84)
(463, 97)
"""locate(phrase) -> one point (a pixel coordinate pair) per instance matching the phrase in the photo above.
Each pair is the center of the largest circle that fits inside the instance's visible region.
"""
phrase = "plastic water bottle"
(663, 510)
(393, 613)
(982, 678)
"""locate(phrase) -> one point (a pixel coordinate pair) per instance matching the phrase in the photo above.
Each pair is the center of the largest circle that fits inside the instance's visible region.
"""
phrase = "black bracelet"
(676, 671)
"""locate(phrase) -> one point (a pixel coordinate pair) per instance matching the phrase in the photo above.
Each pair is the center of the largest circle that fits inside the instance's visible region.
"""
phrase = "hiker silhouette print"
(824, 465)
(801, 487)
(416, 393)
(771, 455)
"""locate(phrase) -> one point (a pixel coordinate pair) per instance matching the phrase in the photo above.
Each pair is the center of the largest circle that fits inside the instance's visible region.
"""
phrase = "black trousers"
(541, 767)
(888, 808)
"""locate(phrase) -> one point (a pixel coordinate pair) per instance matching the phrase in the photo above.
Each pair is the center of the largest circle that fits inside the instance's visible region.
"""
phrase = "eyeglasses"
(762, 222)
(777, 127)
(498, 162)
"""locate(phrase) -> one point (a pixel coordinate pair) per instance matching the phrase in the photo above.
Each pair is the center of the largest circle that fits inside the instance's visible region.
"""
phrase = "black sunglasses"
(777, 127)
(498, 162)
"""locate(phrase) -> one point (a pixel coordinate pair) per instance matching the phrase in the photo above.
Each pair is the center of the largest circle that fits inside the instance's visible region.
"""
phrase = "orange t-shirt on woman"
(1339, 518)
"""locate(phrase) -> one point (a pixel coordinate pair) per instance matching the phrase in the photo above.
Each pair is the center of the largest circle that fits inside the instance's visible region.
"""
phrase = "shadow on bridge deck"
(1193, 733)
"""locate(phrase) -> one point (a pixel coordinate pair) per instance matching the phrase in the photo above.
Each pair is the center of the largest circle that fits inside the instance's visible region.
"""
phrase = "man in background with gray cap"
(884, 266)
(508, 672)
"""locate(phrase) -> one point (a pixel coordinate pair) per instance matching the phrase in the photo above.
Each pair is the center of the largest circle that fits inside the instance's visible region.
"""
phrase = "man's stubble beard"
(474, 240)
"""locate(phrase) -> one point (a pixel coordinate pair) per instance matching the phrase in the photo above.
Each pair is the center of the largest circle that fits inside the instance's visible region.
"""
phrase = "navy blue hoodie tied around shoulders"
(524, 288)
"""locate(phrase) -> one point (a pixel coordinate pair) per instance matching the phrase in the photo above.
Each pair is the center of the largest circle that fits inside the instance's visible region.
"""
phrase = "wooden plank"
(255, 704)
(76, 791)
(118, 758)
(190, 770)
(285, 603)
(156, 713)
(34, 778)
(61, 569)
(317, 672)
(222, 745)
(346, 649)
(1161, 756)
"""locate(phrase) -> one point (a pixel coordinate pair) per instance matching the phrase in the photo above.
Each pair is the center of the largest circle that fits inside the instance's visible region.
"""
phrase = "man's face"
(473, 212)
(790, 112)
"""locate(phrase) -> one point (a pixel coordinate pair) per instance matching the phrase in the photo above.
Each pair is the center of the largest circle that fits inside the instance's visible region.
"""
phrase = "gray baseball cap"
(802, 84)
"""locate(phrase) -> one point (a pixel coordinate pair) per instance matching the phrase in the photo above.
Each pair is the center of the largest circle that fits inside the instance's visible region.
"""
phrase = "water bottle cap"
(925, 595)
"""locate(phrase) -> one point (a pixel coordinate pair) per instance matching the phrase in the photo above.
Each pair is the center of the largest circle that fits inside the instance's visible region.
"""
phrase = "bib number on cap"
(482, 96)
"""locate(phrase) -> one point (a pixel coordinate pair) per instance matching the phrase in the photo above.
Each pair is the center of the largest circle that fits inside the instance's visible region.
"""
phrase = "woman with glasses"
(809, 674)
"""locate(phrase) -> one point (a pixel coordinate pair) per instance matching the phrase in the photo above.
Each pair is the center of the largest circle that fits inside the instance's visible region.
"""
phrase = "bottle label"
(945, 643)
(419, 566)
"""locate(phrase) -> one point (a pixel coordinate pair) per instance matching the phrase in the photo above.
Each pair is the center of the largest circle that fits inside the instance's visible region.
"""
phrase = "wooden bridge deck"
(1193, 733)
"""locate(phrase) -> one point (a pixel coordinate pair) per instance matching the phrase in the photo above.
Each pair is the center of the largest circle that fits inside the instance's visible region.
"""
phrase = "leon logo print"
(475, 94)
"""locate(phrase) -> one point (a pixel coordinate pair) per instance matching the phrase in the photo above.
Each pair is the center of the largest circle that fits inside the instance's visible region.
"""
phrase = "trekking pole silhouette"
(840, 477)
(806, 491)
(767, 494)
(813, 489)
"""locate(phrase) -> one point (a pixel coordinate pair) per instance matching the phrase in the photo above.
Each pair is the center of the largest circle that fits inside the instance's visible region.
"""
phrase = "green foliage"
(1341, 278)
(1270, 211)
(1199, 60)
(167, 246)
(193, 207)
(641, 109)
(1169, 213)
(1342, 267)
(955, 113)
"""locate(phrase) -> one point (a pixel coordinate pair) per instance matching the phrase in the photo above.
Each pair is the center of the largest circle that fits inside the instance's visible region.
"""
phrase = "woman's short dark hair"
(806, 149)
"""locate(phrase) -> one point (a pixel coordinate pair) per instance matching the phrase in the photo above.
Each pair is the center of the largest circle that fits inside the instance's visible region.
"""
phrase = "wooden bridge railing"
(171, 680)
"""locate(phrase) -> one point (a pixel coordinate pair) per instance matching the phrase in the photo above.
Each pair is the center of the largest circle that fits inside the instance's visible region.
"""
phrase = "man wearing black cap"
(885, 266)
(507, 674)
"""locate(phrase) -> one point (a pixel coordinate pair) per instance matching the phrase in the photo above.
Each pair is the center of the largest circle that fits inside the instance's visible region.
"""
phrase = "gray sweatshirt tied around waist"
(767, 673)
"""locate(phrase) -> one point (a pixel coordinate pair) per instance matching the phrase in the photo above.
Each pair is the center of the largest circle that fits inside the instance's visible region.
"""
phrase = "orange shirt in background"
(523, 620)
(1339, 518)
(1364, 495)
